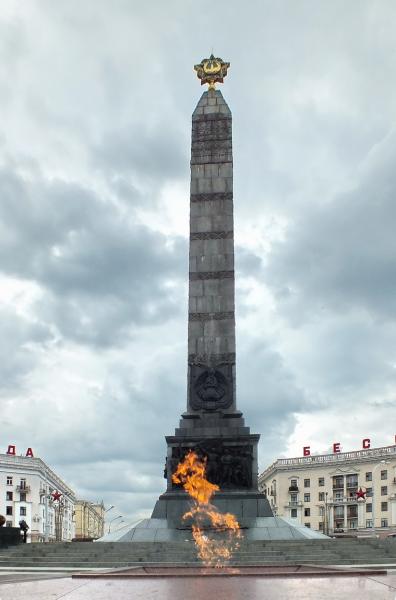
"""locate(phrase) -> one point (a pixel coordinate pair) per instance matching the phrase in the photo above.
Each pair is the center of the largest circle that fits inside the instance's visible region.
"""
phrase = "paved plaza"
(194, 588)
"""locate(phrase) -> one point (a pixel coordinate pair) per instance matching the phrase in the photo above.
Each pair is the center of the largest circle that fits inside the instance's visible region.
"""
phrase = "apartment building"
(28, 491)
(336, 493)
(89, 520)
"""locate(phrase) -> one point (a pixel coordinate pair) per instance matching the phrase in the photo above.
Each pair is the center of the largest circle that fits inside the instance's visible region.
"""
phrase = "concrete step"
(112, 555)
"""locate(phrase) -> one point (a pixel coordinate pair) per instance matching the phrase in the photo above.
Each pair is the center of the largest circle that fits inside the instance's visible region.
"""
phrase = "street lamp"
(119, 523)
(115, 518)
(110, 507)
(381, 462)
(326, 515)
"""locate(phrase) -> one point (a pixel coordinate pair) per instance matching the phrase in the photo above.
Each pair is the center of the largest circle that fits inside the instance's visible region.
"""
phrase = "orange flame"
(218, 547)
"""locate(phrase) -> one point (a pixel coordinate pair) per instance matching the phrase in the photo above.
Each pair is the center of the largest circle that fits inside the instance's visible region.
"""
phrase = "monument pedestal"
(244, 505)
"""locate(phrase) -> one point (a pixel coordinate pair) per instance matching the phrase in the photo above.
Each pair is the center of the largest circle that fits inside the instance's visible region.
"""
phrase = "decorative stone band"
(209, 316)
(213, 359)
(212, 275)
(215, 155)
(212, 235)
(208, 197)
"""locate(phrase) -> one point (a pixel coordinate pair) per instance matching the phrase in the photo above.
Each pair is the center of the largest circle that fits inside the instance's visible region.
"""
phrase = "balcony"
(294, 504)
(342, 500)
(23, 488)
(293, 488)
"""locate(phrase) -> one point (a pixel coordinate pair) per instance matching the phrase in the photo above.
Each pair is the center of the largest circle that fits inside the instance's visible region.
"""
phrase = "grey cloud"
(120, 455)
(20, 344)
(102, 272)
(247, 262)
(269, 395)
(159, 151)
(340, 257)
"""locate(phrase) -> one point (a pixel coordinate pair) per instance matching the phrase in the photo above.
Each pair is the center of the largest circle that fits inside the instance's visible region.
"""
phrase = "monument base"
(251, 509)
(10, 536)
(260, 528)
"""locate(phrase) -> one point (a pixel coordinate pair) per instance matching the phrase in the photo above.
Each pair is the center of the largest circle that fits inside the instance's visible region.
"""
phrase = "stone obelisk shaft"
(211, 320)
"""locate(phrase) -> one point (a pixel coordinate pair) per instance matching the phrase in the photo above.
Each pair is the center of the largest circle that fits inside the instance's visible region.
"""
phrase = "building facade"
(89, 520)
(27, 486)
(336, 493)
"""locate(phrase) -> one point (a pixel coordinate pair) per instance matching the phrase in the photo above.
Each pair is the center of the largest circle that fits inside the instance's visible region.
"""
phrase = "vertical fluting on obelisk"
(211, 322)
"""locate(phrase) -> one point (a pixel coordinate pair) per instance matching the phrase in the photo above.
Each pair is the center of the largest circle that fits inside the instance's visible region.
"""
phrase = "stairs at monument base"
(109, 555)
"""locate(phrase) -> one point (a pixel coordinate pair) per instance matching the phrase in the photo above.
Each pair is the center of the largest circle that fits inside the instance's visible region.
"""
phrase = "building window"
(321, 511)
(321, 526)
(22, 497)
(8, 510)
(9, 496)
(384, 522)
(8, 523)
(338, 482)
(293, 497)
(384, 490)
(307, 512)
(339, 512)
(307, 497)
(9, 480)
(293, 482)
(351, 481)
(321, 496)
(293, 513)
(369, 492)
(369, 507)
(384, 506)
(321, 481)
(369, 476)
(22, 511)
(23, 484)
(384, 474)
(369, 522)
(307, 525)
(307, 483)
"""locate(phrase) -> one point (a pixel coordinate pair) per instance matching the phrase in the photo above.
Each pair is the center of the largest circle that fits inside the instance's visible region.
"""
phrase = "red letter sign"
(11, 450)
(366, 443)
(336, 447)
(29, 452)
(307, 450)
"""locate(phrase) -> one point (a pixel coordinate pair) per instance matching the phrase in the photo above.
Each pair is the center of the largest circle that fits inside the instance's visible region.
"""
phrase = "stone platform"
(253, 587)
(258, 528)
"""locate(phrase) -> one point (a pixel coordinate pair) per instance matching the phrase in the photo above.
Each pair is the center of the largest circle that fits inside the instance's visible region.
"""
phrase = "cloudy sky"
(95, 102)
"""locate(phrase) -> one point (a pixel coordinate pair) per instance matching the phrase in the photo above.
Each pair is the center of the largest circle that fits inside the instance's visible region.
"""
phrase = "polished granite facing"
(233, 588)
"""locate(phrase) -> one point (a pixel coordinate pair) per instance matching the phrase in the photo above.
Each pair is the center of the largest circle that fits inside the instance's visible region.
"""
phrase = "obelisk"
(211, 425)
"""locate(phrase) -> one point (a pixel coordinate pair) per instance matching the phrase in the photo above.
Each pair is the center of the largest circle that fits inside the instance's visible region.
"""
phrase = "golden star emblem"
(211, 70)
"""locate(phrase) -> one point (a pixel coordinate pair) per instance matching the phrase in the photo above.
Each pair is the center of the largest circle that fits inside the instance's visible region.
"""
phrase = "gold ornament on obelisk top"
(211, 71)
